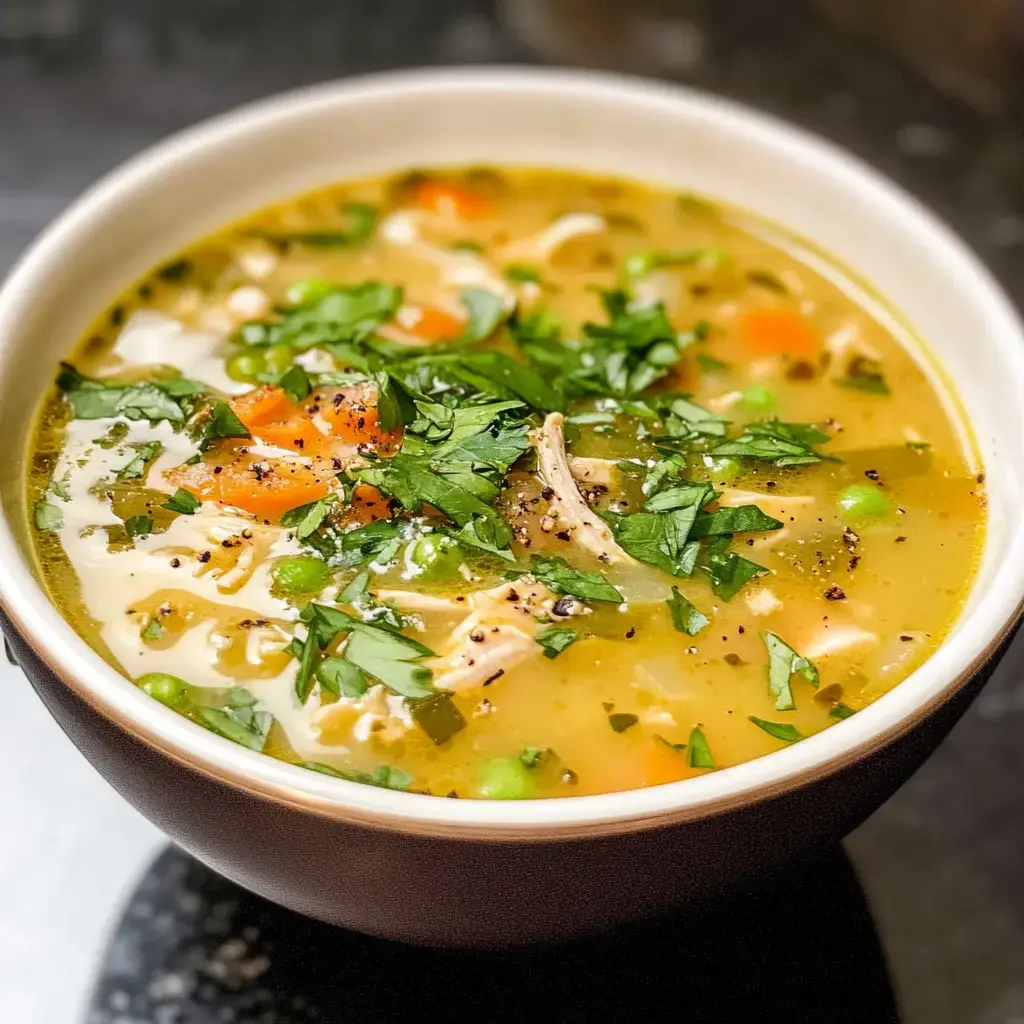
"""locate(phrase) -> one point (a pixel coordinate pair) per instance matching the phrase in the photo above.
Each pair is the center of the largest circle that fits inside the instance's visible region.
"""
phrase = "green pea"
(245, 366)
(861, 502)
(724, 470)
(758, 398)
(300, 574)
(503, 778)
(308, 290)
(278, 358)
(169, 690)
(434, 557)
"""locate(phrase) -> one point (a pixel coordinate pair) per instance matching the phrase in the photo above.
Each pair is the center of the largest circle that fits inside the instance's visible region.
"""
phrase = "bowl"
(462, 872)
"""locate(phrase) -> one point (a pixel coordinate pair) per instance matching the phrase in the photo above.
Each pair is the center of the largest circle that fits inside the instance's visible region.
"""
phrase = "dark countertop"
(942, 863)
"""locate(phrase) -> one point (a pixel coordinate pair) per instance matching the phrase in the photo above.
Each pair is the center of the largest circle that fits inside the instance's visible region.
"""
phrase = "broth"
(504, 483)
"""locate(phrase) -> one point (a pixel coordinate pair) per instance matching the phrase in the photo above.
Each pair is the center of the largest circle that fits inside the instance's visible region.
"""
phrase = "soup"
(504, 484)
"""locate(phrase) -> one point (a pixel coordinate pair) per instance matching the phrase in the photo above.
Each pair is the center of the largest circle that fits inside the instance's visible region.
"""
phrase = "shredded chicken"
(593, 471)
(568, 510)
(457, 267)
(376, 713)
(838, 640)
(542, 246)
(844, 343)
(762, 601)
(497, 634)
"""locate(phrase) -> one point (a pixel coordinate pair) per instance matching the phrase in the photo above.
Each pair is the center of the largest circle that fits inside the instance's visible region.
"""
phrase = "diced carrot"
(267, 492)
(298, 433)
(352, 416)
(445, 196)
(778, 332)
(267, 404)
(433, 324)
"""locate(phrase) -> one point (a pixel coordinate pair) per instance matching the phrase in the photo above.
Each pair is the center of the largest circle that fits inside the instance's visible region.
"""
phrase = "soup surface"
(504, 484)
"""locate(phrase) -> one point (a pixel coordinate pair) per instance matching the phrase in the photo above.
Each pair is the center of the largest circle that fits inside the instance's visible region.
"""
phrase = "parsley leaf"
(391, 658)
(135, 469)
(296, 383)
(344, 313)
(728, 571)
(221, 423)
(556, 640)
(557, 575)
(360, 220)
(47, 516)
(699, 755)
(779, 730)
(384, 776)
(685, 617)
(339, 676)
(642, 263)
(484, 312)
(620, 721)
(709, 364)
(658, 538)
(309, 517)
(438, 716)
(93, 399)
(183, 501)
(784, 662)
(865, 375)
(138, 526)
(785, 444)
(841, 711)
(238, 721)
(522, 273)
(484, 535)
(153, 630)
(733, 519)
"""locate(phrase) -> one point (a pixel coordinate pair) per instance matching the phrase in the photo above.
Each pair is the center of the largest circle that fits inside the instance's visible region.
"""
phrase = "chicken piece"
(839, 639)
(482, 655)
(542, 246)
(568, 509)
(376, 713)
(497, 634)
(590, 471)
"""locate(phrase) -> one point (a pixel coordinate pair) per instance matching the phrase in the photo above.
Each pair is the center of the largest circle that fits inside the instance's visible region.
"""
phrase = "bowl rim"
(976, 642)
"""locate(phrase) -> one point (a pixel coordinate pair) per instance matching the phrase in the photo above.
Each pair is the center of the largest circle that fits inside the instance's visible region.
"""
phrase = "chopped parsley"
(783, 663)
(779, 730)
(558, 575)
(138, 526)
(182, 501)
(238, 720)
(685, 617)
(556, 640)
(384, 776)
(699, 754)
(621, 721)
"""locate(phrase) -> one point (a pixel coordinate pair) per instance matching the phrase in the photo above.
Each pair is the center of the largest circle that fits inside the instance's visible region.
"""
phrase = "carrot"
(443, 196)
(267, 492)
(352, 417)
(267, 404)
(433, 324)
(778, 332)
(298, 433)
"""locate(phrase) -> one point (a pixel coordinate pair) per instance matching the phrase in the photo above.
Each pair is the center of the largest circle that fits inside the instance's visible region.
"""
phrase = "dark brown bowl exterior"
(458, 892)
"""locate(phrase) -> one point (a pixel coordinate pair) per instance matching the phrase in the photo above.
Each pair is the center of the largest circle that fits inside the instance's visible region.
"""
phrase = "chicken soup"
(505, 484)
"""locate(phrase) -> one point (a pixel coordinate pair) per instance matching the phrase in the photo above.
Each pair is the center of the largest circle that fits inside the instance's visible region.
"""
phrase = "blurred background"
(930, 91)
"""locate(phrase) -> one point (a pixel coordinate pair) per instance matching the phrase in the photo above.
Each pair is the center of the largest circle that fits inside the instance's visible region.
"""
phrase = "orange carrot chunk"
(445, 197)
(774, 332)
(267, 404)
(266, 489)
(433, 324)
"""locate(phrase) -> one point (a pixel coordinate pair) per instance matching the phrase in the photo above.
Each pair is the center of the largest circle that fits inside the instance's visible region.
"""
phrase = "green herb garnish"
(556, 640)
(685, 617)
(784, 662)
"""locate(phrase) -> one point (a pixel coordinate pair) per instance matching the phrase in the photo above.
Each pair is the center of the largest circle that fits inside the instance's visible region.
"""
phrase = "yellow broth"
(858, 599)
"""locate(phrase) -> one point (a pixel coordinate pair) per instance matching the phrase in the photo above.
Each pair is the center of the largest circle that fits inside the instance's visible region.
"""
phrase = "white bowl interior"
(196, 182)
